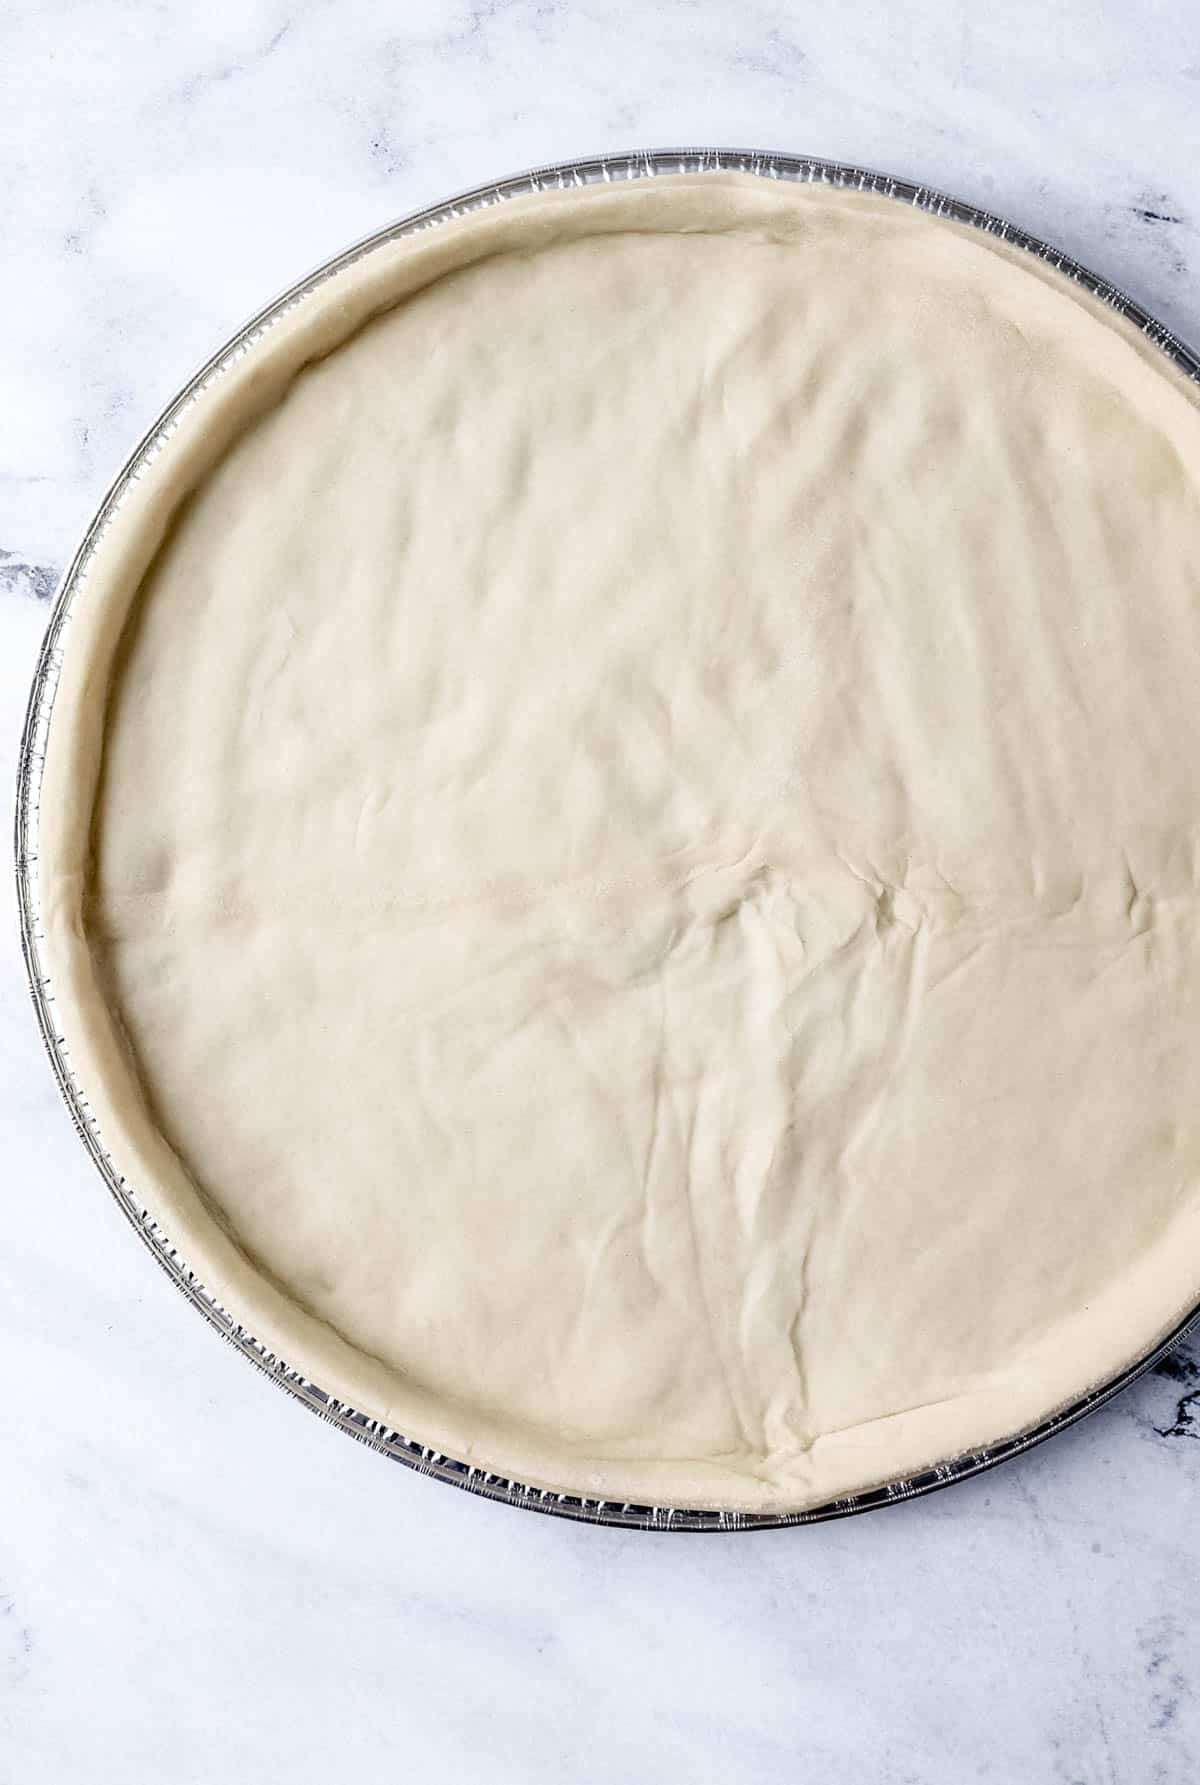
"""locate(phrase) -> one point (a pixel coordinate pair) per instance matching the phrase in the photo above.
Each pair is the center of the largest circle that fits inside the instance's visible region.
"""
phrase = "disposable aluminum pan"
(642, 165)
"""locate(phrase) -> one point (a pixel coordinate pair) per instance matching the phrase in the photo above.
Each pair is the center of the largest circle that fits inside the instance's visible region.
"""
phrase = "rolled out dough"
(621, 837)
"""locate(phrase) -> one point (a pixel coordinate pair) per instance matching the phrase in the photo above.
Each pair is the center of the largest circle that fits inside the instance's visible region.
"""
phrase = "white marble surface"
(200, 1582)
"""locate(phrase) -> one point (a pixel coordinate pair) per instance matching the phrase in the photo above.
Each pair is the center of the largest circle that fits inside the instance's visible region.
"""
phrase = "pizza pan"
(73, 589)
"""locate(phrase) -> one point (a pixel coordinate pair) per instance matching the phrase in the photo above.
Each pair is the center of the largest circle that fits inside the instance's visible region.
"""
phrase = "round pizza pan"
(639, 165)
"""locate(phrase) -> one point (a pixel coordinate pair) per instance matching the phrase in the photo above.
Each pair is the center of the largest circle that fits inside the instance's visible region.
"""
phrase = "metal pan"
(641, 165)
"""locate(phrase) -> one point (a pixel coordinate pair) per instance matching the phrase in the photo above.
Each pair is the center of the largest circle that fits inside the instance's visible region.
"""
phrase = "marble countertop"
(198, 1581)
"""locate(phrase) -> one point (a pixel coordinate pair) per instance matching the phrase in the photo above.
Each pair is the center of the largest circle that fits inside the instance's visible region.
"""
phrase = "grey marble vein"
(19, 577)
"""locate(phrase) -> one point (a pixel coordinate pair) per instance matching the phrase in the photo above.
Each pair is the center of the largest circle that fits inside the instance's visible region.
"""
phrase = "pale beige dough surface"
(620, 848)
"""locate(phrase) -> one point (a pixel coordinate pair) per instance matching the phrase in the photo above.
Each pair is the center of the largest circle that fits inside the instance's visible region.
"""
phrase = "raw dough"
(621, 839)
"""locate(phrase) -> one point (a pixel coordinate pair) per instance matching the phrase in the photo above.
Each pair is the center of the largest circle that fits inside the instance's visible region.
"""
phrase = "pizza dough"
(621, 836)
